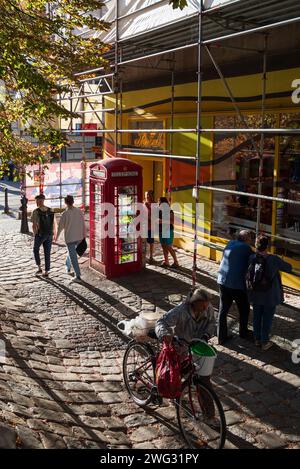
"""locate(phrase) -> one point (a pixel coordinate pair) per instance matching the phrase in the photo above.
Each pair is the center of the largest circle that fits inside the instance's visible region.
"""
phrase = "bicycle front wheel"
(139, 372)
(201, 417)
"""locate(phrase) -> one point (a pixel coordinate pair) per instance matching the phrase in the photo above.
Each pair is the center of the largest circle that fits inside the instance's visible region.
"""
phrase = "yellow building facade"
(227, 161)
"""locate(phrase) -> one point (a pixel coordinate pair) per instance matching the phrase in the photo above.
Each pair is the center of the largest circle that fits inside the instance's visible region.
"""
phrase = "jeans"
(46, 241)
(262, 321)
(72, 259)
(227, 296)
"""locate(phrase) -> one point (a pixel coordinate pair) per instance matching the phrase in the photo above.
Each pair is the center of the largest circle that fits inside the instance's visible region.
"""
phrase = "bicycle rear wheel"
(201, 417)
(139, 372)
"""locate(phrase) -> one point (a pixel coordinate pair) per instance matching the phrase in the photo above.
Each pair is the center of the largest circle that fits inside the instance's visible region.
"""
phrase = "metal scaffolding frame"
(115, 88)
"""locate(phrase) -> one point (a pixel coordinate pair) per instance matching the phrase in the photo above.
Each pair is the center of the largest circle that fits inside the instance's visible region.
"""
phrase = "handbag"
(81, 247)
(168, 372)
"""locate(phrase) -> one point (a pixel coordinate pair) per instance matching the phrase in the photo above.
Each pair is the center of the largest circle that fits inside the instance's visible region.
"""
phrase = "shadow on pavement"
(21, 362)
(92, 309)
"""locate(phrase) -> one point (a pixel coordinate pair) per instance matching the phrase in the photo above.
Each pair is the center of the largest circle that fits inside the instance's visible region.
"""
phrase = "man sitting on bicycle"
(193, 319)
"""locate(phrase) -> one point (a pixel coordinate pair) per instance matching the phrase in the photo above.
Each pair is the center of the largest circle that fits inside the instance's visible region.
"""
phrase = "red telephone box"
(115, 247)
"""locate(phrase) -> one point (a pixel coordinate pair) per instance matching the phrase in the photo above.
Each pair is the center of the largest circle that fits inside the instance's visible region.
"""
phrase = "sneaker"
(247, 335)
(39, 271)
(76, 280)
(46, 274)
(267, 345)
(164, 264)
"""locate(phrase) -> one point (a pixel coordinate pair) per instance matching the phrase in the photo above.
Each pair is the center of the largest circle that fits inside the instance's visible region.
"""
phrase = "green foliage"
(178, 4)
(39, 56)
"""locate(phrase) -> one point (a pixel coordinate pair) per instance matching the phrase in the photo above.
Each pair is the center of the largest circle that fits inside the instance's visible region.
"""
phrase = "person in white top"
(72, 222)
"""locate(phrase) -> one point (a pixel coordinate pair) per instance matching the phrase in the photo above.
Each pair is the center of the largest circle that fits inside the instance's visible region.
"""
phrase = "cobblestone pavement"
(61, 382)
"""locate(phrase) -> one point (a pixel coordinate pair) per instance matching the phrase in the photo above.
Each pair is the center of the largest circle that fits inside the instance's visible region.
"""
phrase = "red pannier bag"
(168, 375)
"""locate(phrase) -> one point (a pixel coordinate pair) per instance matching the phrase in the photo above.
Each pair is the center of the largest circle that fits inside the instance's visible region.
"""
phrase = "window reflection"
(236, 167)
(288, 187)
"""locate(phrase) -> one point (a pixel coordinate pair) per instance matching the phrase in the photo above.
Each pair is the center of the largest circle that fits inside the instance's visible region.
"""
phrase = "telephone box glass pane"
(126, 239)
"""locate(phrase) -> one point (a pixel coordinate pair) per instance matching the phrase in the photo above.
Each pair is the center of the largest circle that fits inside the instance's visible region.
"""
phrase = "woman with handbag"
(73, 224)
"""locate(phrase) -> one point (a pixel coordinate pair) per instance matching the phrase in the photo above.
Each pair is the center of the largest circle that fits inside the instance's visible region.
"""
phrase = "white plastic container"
(204, 365)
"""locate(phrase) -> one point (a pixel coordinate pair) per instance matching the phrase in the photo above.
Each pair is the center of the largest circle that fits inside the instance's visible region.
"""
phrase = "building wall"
(222, 157)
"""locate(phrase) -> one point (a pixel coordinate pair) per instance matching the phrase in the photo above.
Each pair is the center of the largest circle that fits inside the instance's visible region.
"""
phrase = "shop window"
(236, 167)
(287, 238)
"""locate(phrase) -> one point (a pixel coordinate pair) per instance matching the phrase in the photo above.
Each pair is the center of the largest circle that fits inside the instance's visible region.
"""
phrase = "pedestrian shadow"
(22, 364)
(276, 356)
(258, 394)
(172, 425)
(106, 319)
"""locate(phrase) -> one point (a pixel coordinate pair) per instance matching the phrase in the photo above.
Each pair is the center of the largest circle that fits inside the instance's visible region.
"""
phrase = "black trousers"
(227, 296)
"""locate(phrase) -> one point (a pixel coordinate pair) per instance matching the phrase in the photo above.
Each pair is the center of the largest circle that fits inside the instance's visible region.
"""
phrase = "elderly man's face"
(200, 306)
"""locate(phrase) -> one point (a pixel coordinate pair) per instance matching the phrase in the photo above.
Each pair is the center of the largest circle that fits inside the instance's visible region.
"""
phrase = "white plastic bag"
(136, 327)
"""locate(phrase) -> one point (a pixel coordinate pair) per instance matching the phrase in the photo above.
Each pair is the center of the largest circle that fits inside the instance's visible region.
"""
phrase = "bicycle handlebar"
(181, 339)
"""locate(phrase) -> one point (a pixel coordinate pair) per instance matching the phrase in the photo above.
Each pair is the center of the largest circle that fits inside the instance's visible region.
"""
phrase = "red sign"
(89, 126)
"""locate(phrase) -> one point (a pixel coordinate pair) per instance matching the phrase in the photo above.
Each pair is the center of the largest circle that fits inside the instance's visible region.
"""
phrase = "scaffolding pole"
(83, 143)
(198, 148)
(116, 76)
(262, 137)
(172, 126)
(283, 132)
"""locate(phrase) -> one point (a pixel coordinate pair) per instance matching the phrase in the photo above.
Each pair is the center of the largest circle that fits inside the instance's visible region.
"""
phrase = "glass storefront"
(287, 239)
(236, 167)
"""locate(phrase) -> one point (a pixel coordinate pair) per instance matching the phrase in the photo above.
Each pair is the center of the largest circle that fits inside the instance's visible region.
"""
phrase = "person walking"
(265, 289)
(11, 170)
(232, 285)
(148, 202)
(73, 224)
(166, 232)
(43, 224)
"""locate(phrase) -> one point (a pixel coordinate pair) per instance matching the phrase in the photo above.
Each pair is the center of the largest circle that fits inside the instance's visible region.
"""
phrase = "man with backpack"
(232, 285)
(42, 224)
(264, 289)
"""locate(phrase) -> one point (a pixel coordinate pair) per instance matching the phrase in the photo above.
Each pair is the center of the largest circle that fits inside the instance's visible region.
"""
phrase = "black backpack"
(46, 219)
(256, 277)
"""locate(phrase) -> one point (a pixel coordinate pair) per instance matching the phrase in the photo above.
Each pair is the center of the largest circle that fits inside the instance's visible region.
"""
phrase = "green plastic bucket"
(204, 356)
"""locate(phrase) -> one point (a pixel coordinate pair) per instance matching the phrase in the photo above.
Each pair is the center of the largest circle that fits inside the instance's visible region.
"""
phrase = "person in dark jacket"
(265, 302)
(232, 284)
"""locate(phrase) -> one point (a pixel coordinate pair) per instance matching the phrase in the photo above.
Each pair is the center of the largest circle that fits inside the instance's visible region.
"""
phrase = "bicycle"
(192, 406)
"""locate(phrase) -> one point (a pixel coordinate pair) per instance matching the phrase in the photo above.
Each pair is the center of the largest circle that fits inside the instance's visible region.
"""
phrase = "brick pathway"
(61, 385)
